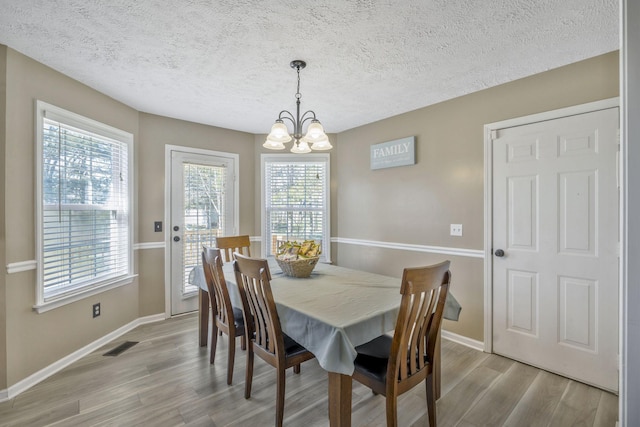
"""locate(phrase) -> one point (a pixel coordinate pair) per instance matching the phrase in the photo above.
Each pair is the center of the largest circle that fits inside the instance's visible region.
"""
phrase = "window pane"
(204, 197)
(295, 201)
(85, 200)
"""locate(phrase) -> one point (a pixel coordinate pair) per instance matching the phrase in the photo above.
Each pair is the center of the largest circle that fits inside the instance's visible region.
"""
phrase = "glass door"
(202, 207)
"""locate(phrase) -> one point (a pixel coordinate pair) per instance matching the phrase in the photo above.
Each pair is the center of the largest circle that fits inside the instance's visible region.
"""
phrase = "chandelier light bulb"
(301, 148)
(315, 131)
(273, 145)
(322, 145)
(279, 132)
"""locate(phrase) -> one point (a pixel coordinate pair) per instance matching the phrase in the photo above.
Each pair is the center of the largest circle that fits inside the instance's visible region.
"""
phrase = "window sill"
(77, 296)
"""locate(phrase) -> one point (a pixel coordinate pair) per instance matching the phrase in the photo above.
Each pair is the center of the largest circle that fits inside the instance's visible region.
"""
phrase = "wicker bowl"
(298, 267)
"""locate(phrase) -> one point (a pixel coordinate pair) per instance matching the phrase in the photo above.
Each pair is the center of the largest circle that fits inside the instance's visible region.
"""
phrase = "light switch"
(157, 226)
(456, 230)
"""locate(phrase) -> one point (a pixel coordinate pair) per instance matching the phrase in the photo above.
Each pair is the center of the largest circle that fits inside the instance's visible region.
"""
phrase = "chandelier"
(314, 139)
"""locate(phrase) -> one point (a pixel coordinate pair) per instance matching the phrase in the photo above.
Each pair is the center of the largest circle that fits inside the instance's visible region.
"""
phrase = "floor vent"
(121, 348)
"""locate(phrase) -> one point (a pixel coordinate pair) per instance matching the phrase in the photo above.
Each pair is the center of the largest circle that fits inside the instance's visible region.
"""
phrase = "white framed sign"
(399, 152)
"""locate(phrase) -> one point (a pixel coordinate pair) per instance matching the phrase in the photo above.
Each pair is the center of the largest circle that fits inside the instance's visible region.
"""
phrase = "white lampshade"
(273, 145)
(315, 132)
(279, 133)
(300, 148)
(322, 145)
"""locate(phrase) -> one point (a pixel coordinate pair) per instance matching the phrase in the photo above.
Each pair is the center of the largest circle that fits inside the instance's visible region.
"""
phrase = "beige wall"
(415, 204)
(3, 252)
(34, 341)
(61, 331)
(155, 133)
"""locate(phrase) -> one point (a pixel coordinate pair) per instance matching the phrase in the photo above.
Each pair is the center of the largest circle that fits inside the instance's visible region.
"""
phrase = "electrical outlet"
(157, 226)
(456, 230)
(96, 310)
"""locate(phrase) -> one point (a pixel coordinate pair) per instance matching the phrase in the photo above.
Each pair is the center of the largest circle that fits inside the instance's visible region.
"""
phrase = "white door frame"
(489, 129)
(168, 149)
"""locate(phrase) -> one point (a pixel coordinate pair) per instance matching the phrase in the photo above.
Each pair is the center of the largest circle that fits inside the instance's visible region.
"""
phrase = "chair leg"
(243, 342)
(280, 397)
(296, 369)
(249, 372)
(203, 315)
(392, 410)
(431, 399)
(214, 342)
(232, 357)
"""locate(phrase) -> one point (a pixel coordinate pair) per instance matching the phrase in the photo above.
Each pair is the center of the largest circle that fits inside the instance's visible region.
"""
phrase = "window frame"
(298, 158)
(92, 287)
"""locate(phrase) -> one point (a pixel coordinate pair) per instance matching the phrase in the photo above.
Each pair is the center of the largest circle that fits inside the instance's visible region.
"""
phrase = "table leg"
(203, 316)
(339, 400)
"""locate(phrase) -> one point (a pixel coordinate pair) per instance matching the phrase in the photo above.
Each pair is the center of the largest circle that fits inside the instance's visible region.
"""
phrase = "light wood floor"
(166, 380)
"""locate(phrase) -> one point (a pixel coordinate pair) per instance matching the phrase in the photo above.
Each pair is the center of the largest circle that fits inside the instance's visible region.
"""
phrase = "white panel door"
(555, 241)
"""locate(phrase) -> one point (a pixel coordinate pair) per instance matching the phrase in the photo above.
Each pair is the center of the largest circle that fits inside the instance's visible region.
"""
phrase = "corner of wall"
(3, 253)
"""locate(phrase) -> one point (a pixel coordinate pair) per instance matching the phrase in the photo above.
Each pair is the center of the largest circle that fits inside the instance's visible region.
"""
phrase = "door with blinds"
(295, 204)
(202, 208)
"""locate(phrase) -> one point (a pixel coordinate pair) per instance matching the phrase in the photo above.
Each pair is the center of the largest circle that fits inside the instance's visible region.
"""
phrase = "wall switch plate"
(456, 230)
(157, 226)
(96, 310)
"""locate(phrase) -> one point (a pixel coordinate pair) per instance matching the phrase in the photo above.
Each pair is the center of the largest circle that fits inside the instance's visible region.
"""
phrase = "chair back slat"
(423, 290)
(230, 244)
(217, 285)
(254, 277)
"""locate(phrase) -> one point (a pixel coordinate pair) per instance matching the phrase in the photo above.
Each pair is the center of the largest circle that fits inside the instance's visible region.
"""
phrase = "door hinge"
(493, 134)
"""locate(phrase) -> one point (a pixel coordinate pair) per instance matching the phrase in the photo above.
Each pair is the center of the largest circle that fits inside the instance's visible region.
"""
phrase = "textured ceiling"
(226, 63)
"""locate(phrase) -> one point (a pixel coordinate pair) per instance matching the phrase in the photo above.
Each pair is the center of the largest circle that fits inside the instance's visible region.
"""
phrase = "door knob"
(176, 238)
(176, 228)
(499, 253)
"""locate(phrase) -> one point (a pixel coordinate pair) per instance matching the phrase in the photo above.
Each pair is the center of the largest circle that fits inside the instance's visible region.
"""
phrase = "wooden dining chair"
(391, 366)
(264, 332)
(230, 244)
(226, 318)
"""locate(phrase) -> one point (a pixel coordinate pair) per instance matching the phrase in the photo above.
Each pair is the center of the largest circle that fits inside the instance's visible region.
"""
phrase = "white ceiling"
(226, 63)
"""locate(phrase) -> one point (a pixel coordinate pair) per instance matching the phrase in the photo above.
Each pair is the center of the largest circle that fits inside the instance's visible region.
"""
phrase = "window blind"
(295, 200)
(85, 208)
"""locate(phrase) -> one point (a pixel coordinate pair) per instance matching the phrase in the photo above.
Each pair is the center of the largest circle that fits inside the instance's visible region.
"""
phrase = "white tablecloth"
(331, 312)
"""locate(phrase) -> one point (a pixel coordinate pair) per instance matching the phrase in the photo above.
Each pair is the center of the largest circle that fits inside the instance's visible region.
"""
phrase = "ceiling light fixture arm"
(297, 121)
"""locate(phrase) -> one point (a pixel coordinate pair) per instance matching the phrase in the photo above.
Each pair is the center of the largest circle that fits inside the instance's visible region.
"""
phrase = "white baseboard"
(468, 342)
(59, 365)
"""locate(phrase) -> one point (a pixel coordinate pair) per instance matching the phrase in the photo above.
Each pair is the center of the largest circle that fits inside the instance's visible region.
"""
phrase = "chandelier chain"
(298, 95)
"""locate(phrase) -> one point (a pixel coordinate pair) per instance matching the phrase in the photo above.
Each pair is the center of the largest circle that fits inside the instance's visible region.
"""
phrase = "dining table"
(330, 313)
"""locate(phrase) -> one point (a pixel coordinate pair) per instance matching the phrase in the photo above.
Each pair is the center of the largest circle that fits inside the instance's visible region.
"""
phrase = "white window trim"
(43, 110)
(313, 157)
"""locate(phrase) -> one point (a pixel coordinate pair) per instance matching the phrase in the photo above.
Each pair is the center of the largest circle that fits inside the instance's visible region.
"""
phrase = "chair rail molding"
(473, 253)
(17, 267)
(149, 245)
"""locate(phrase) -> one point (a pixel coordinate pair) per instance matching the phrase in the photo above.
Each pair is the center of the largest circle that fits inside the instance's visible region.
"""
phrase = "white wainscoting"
(473, 253)
(59, 365)
(149, 245)
(17, 267)
(459, 339)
